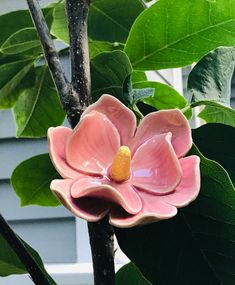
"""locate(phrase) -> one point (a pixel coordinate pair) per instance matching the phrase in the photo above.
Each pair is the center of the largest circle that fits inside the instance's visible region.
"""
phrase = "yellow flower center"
(120, 168)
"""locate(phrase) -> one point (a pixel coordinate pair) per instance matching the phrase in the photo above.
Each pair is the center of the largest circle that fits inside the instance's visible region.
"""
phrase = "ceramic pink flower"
(134, 175)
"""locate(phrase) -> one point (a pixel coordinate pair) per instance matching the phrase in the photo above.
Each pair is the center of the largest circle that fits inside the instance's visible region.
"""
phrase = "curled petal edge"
(61, 189)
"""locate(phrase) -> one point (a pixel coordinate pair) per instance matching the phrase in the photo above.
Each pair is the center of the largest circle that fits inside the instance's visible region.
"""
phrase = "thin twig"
(69, 100)
(38, 276)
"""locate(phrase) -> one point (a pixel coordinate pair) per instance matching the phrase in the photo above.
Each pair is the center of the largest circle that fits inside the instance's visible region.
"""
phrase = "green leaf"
(165, 97)
(138, 76)
(216, 113)
(109, 20)
(10, 263)
(11, 75)
(196, 246)
(38, 107)
(129, 274)
(211, 77)
(96, 47)
(108, 73)
(11, 26)
(217, 141)
(31, 181)
(22, 41)
(178, 33)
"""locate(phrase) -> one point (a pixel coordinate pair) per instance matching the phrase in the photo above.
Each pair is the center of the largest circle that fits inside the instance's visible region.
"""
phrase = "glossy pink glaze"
(161, 179)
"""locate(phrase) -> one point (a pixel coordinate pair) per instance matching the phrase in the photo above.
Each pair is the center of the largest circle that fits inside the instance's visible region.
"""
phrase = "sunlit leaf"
(178, 33)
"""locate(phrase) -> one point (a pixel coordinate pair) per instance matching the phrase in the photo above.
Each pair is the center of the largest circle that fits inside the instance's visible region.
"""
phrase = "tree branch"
(68, 98)
(101, 233)
(77, 14)
(75, 99)
(38, 276)
(101, 240)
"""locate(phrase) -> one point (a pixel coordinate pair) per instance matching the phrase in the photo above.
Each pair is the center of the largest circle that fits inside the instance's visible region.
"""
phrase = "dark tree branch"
(77, 14)
(101, 240)
(36, 273)
(75, 98)
(68, 98)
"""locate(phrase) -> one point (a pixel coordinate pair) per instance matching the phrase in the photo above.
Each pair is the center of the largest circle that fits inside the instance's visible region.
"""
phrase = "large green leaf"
(211, 77)
(109, 20)
(12, 72)
(38, 107)
(177, 33)
(216, 113)
(217, 141)
(196, 246)
(22, 41)
(31, 181)
(10, 263)
(108, 73)
(129, 274)
(165, 97)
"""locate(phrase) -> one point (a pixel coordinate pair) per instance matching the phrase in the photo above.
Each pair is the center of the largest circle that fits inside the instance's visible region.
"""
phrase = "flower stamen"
(120, 168)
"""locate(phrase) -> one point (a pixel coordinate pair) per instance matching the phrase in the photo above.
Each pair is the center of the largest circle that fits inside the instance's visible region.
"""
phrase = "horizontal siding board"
(14, 151)
(7, 125)
(54, 239)
(9, 201)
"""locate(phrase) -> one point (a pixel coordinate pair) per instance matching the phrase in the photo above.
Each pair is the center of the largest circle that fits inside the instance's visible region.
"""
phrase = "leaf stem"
(36, 273)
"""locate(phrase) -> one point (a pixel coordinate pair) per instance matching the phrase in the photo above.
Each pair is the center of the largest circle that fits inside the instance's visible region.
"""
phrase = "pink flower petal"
(155, 167)
(163, 122)
(122, 194)
(57, 138)
(189, 187)
(93, 144)
(153, 210)
(87, 209)
(122, 118)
